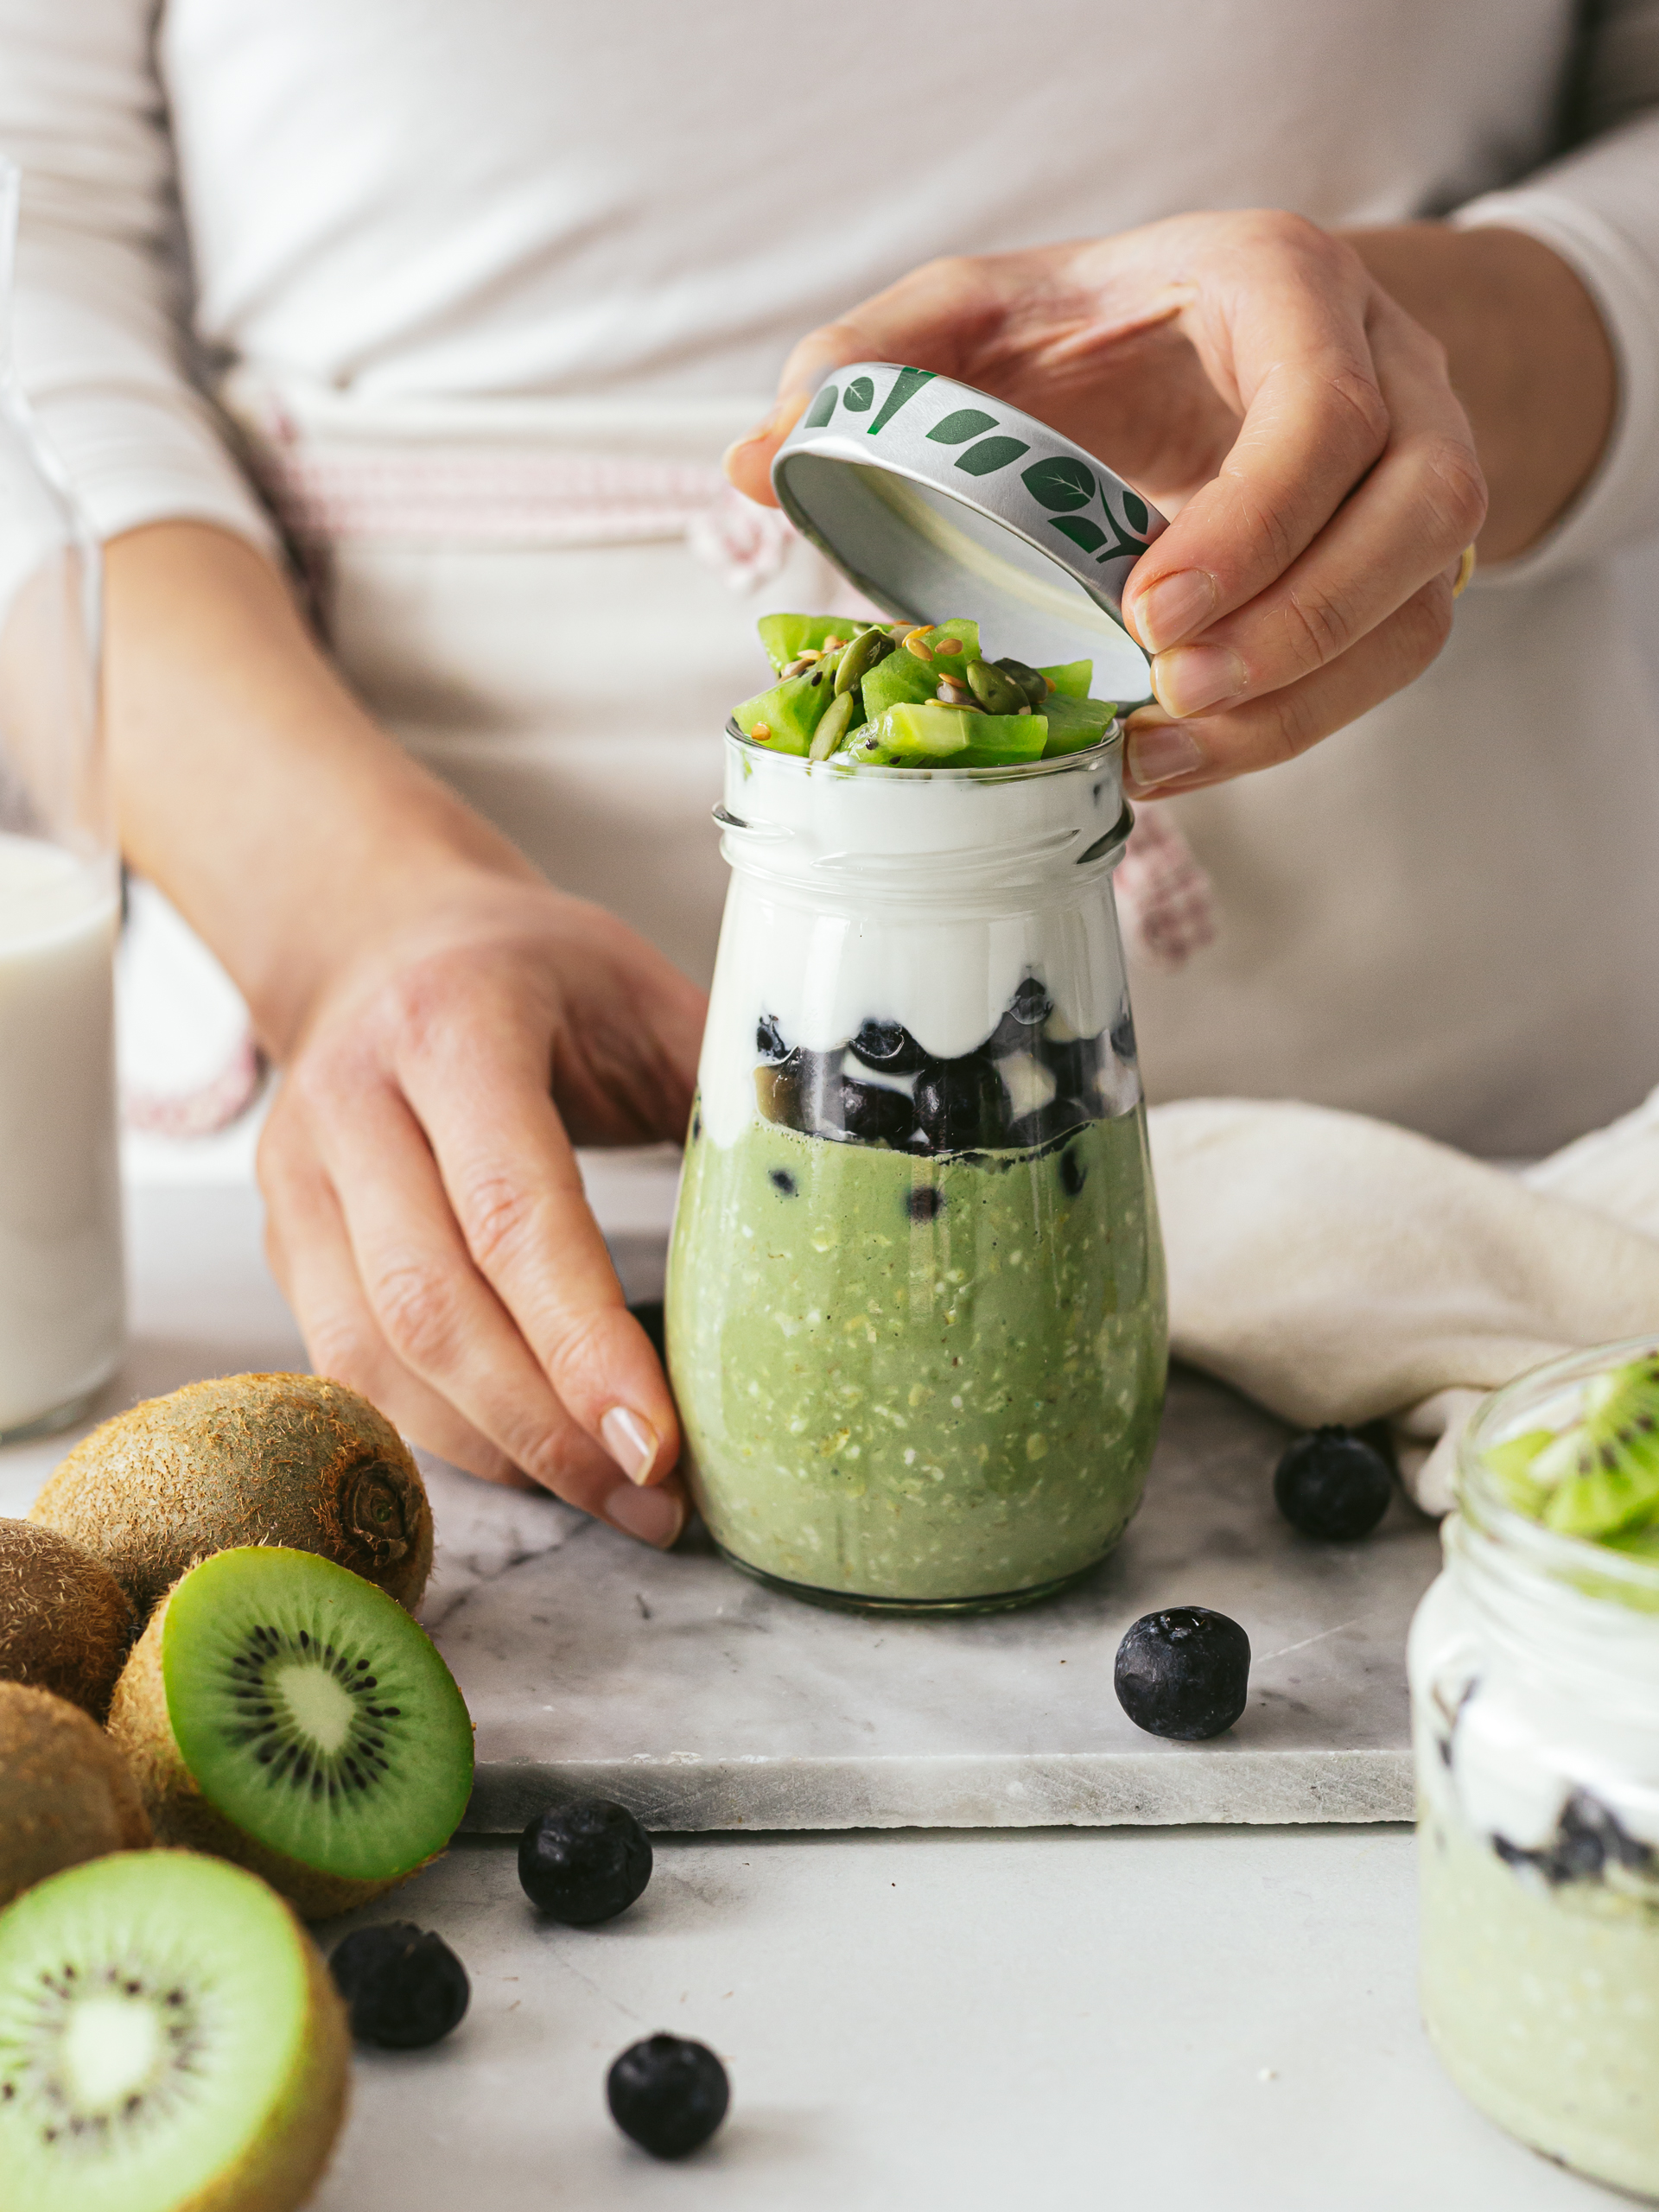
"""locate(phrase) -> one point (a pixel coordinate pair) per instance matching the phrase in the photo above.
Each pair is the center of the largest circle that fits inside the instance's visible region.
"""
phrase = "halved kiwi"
(65, 1622)
(170, 2039)
(66, 1793)
(245, 1459)
(1598, 1477)
(283, 1713)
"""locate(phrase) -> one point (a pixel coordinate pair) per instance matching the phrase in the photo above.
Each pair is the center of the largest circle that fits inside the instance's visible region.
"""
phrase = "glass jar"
(62, 1300)
(916, 1315)
(1534, 1678)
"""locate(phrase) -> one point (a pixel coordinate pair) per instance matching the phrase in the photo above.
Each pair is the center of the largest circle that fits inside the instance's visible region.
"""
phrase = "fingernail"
(1172, 608)
(654, 1516)
(781, 417)
(630, 1441)
(1193, 677)
(1160, 751)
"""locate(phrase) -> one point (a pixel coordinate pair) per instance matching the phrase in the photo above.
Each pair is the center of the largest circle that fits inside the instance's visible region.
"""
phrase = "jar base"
(49, 1424)
(845, 1601)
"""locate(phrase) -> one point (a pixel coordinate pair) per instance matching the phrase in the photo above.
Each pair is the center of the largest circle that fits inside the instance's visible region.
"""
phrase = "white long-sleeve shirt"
(1447, 914)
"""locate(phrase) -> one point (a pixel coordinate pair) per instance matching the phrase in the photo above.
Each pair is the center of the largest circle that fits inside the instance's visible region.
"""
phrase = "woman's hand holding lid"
(1249, 373)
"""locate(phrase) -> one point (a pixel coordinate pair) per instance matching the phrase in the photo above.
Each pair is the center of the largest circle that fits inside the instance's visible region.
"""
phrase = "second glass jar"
(915, 1314)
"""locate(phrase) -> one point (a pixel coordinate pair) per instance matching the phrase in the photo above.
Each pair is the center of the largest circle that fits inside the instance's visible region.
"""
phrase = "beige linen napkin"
(1338, 1269)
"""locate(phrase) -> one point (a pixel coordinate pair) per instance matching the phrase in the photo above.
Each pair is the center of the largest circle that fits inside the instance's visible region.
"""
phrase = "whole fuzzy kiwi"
(66, 1793)
(290, 1459)
(65, 1622)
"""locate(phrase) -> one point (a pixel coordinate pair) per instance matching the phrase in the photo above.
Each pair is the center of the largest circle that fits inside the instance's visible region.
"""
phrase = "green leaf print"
(966, 423)
(1134, 509)
(1060, 483)
(821, 409)
(860, 395)
(905, 385)
(990, 455)
(1089, 535)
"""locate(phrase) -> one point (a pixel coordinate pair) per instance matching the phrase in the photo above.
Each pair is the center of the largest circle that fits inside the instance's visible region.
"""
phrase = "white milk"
(61, 1298)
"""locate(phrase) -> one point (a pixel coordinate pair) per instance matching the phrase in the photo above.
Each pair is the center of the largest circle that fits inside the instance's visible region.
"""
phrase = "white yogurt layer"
(910, 896)
(1526, 1733)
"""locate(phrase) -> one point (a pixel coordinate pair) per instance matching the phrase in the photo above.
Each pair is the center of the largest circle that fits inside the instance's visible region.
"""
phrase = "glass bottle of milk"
(61, 1301)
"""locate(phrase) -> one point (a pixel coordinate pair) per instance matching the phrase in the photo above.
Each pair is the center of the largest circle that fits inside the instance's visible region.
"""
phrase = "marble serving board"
(595, 1666)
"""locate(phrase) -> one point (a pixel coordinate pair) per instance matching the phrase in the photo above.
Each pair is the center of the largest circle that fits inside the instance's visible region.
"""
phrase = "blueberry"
(584, 1862)
(1044, 1124)
(1184, 1673)
(783, 1182)
(670, 2095)
(1333, 1485)
(769, 1039)
(1074, 1173)
(403, 1987)
(1075, 1064)
(960, 1104)
(648, 1312)
(925, 1203)
(1028, 1009)
(889, 1046)
(872, 1113)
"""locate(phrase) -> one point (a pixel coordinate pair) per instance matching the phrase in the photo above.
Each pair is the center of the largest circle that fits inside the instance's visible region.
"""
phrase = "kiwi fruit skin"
(65, 1625)
(290, 1459)
(181, 1815)
(66, 1792)
(279, 2169)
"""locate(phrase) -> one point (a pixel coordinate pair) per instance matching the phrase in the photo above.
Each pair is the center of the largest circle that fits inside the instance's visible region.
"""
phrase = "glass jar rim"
(1007, 772)
(1594, 1570)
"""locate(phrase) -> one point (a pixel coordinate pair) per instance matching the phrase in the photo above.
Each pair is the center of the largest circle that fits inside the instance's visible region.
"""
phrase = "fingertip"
(748, 463)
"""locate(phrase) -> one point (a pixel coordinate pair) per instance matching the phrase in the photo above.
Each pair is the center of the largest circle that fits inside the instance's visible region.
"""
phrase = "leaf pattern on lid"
(1059, 483)
(966, 423)
(860, 395)
(990, 455)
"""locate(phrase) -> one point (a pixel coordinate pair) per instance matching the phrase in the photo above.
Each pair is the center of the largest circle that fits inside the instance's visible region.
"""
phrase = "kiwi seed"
(170, 2041)
(1598, 1477)
(65, 1622)
(288, 1459)
(280, 1711)
(66, 1793)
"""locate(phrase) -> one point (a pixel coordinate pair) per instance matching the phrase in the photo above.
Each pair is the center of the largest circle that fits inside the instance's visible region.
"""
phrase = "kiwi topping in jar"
(915, 695)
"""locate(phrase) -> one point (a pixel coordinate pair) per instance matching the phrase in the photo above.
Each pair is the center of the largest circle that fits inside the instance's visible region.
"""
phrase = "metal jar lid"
(937, 500)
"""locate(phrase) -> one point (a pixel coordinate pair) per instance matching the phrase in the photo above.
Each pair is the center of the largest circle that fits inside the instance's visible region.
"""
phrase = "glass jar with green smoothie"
(1535, 1673)
(916, 1321)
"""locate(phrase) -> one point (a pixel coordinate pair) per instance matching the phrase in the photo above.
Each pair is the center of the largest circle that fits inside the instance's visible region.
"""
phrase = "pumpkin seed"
(1035, 686)
(859, 657)
(837, 720)
(996, 691)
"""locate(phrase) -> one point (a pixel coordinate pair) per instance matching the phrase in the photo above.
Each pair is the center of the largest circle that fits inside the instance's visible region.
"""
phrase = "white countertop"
(1216, 2017)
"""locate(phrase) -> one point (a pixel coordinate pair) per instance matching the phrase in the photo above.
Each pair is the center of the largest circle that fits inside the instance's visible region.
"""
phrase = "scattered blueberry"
(404, 1987)
(924, 1202)
(1333, 1485)
(1073, 1173)
(781, 1179)
(668, 2093)
(889, 1046)
(769, 1039)
(871, 1113)
(1184, 1673)
(584, 1862)
(1589, 1838)
(960, 1105)
(648, 1312)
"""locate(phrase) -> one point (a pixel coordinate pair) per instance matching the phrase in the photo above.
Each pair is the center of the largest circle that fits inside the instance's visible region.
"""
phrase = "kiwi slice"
(283, 1713)
(66, 1792)
(1599, 1476)
(65, 1622)
(169, 2040)
(288, 1459)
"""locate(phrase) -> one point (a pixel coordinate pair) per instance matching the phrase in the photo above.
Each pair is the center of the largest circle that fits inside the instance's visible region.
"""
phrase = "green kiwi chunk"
(285, 1712)
(947, 737)
(1075, 724)
(786, 637)
(169, 2038)
(786, 718)
(1599, 1476)
(1070, 678)
(906, 678)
